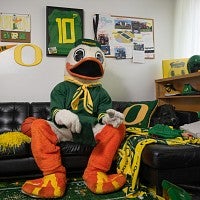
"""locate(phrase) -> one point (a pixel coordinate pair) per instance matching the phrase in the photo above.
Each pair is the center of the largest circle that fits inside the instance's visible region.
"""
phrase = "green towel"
(164, 131)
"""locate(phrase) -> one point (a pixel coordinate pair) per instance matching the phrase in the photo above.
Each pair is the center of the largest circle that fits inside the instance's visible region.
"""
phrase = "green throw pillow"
(139, 114)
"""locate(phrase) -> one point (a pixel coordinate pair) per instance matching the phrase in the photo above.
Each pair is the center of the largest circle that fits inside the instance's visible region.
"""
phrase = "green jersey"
(64, 28)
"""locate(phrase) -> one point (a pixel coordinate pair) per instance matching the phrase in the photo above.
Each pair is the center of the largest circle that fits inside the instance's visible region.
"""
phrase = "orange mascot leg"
(95, 177)
(47, 156)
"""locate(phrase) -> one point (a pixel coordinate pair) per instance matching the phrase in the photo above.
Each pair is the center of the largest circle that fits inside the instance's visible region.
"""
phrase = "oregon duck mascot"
(81, 111)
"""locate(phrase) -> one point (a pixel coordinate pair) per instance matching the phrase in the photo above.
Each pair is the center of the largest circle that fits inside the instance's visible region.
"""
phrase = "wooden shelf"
(187, 76)
(180, 96)
(180, 102)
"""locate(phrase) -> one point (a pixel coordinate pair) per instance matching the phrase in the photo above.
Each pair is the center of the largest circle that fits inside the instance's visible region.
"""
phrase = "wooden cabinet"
(181, 102)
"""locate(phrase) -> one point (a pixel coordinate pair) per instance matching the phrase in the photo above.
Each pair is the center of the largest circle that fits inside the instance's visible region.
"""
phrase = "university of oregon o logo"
(131, 119)
(18, 55)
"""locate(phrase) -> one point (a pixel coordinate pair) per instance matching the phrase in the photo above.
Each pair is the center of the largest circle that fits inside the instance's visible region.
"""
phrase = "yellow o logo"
(18, 55)
(140, 115)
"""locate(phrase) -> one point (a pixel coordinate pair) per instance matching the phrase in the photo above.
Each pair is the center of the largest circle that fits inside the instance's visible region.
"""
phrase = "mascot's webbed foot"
(50, 186)
(101, 183)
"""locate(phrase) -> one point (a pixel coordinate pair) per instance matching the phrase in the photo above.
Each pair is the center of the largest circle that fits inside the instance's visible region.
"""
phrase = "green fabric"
(129, 158)
(61, 97)
(164, 131)
(139, 114)
(86, 136)
(128, 163)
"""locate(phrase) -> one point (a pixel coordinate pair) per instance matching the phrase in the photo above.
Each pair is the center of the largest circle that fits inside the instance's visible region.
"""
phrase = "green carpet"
(76, 190)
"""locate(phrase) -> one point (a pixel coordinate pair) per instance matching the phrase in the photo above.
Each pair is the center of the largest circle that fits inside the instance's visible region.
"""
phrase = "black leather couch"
(178, 164)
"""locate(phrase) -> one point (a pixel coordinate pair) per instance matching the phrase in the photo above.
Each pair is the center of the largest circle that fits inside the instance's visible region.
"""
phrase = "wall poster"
(15, 28)
(64, 28)
(125, 37)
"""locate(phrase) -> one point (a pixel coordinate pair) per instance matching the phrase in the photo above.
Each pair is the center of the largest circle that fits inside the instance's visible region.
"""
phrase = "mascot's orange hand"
(113, 118)
(69, 119)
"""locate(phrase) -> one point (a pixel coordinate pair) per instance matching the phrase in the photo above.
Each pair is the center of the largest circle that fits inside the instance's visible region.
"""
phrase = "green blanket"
(129, 156)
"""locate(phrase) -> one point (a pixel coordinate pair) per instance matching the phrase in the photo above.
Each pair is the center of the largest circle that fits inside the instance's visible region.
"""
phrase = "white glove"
(69, 119)
(113, 118)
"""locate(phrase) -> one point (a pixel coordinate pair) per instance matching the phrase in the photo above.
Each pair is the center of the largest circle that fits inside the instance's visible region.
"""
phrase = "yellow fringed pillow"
(12, 140)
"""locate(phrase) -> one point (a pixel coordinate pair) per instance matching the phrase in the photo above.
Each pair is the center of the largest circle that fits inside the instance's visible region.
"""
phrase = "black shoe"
(170, 90)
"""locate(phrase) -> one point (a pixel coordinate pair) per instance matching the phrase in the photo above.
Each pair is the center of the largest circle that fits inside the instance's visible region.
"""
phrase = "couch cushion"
(40, 110)
(12, 115)
(17, 145)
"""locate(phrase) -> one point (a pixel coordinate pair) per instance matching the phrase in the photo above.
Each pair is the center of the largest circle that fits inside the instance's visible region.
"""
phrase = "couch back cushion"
(12, 114)
(40, 110)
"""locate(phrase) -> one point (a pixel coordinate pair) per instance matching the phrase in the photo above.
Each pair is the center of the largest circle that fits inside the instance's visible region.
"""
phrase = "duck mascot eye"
(81, 112)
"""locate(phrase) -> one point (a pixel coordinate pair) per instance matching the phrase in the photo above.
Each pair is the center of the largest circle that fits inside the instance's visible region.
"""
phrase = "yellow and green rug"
(76, 190)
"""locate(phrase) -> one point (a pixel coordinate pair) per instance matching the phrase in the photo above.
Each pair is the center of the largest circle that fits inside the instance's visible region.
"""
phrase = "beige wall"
(124, 80)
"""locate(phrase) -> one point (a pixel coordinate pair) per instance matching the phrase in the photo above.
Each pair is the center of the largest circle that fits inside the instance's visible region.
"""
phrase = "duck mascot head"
(81, 112)
(86, 61)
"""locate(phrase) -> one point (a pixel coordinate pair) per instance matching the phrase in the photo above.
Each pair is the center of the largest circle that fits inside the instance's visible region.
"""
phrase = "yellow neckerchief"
(83, 89)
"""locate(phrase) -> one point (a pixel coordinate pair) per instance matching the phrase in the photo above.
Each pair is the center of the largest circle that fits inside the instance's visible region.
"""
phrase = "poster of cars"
(15, 27)
(119, 36)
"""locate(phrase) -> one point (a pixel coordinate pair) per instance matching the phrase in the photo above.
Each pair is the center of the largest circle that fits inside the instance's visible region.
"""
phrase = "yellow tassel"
(12, 140)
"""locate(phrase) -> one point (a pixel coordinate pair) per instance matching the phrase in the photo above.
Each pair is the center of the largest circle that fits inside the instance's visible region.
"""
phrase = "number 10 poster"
(64, 28)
